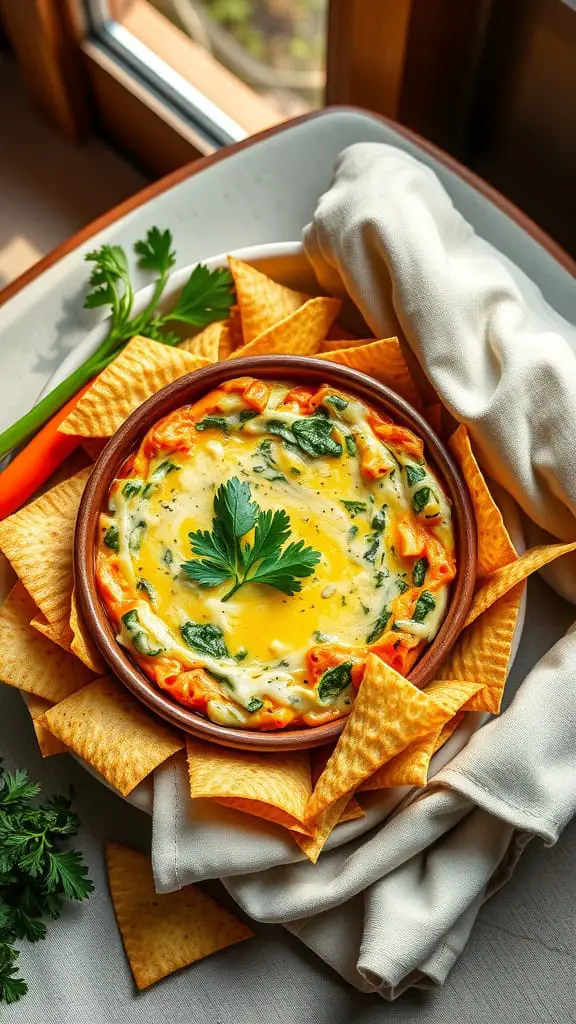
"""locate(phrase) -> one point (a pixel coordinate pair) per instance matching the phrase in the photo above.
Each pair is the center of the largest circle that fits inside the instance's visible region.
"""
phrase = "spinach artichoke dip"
(260, 543)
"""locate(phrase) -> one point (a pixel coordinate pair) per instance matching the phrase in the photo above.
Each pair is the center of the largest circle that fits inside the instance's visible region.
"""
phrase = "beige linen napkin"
(393, 898)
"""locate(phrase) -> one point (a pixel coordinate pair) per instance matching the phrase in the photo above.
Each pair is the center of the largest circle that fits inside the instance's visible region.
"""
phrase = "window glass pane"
(275, 47)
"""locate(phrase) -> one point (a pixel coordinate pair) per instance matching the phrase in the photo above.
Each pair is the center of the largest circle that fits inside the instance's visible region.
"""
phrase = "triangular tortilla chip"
(163, 932)
(382, 360)
(325, 824)
(410, 768)
(140, 370)
(482, 651)
(280, 783)
(47, 743)
(109, 729)
(299, 334)
(389, 714)
(30, 662)
(502, 580)
(206, 343)
(38, 542)
(449, 729)
(82, 644)
(262, 302)
(264, 811)
(235, 328)
(495, 548)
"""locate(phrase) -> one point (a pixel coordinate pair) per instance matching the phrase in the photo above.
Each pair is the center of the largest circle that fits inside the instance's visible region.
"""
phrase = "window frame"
(84, 75)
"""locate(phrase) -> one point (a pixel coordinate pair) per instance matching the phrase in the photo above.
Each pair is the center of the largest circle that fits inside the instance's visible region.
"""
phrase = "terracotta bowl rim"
(187, 389)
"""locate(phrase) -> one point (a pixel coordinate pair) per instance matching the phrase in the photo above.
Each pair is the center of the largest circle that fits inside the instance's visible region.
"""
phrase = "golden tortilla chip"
(163, 932)
(47, 743)
(264, 811)
(109, 729)
(325, 824)
(482, 652)
(235, 328)
(382, 360)
(277, 782)
(449, 729)
(206, 343)
(502, 580)
(495, 548)
(38, 541)
(262, 302)
(30, 662)
(410, 768)
(226, 346)
(82, 644)
(389, 714)
(140, 370)
(299, 334)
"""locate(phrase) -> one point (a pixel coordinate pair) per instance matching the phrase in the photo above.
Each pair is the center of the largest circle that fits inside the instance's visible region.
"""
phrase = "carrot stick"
(38, 460)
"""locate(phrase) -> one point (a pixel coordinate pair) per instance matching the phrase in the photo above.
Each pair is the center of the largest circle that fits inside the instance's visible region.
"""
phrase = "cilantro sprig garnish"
(224, 554)
(206, 297)
(36, 875)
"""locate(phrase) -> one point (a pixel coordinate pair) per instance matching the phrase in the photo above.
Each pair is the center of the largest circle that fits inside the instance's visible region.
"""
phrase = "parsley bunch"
(223, 555)
(36, 876)
(206, 297)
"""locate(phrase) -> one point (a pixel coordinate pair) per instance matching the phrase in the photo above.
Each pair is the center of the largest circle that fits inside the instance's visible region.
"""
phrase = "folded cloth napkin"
(393, 897)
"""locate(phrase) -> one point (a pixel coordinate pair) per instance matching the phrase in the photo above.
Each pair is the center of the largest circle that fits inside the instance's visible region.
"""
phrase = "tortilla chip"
(163, 932)
(382, 360)
(30, 662)
(482, 652)
(110, 730)
(47, 743)
(262, 302)
(502, 580)
(38, 542)
(82, 644)
(41, 624)
(389, 714)
(226, 346)
(299, 334)
(140, 370)
(495, 548)
(278, 782)
(449, 729)
(265, 811)
(234, 323)
(325, 824)
(206, 343)
(410, 768)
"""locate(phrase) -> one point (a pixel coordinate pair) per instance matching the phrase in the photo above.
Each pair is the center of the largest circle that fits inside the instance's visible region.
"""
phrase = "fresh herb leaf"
(36, 876)
(354, 508)
(420, 499)
(223, 555)
(425, 604)
(419, 571)
(379, 520)
(351, 446)
(379, 626)
(146, 588)
(241, 654)
(158, 475)
(254, 704)
(139, 636)
(333, 681)
(131, 488)
(380, 576)
(314, 436)
(402, 586)
(155, 252)
(246, 415)
(112, 537)
(414, 474)
(205, 638)
(280, 429)
(336, 402)
(213, 423)
(371, 552)
(136, 535)
(206, 297)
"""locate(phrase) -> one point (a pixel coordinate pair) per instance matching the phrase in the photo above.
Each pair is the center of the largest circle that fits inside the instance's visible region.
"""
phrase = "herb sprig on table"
(36, 875)
(224, 555)
(206, 297)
